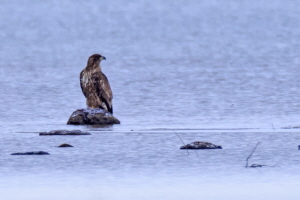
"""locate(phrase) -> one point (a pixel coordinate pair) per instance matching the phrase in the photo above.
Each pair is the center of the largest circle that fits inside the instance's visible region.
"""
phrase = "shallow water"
(222, 72)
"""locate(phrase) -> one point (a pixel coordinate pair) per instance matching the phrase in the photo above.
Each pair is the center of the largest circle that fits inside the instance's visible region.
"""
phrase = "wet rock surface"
(31, 153)
(91, 116)
(200, 145)
(65, 132)
(65, 145)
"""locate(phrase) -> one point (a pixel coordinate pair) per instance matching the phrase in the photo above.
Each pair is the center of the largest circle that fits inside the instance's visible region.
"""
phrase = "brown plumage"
(95, 85)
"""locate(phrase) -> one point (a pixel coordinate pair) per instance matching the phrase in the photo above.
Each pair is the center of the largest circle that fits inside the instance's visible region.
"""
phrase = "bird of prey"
(95, 85)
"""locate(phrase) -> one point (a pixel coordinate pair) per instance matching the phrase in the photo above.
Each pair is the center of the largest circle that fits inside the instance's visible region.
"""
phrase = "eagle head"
(94, 60)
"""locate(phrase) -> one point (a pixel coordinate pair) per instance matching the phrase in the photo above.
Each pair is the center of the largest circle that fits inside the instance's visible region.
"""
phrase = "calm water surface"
(223, 72)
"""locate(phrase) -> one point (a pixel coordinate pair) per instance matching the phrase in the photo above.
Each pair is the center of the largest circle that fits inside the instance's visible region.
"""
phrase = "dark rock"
(200, 145)
(65, 132)
(93, 116)
(31, 153)
(290, 127)
(65, 145)
(256, 165)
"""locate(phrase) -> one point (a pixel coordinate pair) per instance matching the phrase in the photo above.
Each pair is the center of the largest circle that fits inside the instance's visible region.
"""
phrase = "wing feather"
(81, 82)
(103, 89)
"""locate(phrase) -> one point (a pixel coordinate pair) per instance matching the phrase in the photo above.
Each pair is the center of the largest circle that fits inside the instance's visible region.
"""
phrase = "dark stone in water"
(291, 127)
(65, 132)
(65, 145)
(200, 145)
(31, 153)
(256, 165)
(93, 116)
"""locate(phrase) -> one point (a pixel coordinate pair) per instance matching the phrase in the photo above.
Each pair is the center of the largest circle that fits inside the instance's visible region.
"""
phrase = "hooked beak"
(103, 58)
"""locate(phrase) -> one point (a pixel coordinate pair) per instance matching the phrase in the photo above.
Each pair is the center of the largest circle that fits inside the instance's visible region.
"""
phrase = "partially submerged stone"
(65, 132)
(93, 116)
(291, 127)
(200, 145)
(65, 145)
(31, 153)
(256, 165)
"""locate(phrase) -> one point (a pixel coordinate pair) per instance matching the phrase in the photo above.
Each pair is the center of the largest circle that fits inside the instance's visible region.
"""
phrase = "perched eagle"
(95, 85)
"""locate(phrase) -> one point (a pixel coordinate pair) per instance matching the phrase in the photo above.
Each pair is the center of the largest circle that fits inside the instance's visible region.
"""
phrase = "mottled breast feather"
(96, 89)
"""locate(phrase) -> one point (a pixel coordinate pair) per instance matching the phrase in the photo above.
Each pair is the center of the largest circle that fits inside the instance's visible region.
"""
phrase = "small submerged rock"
(31, 153)
(256, 165)
(200, 145)
(291, 127)
(65, 145)
(92, 116)
(65, 132)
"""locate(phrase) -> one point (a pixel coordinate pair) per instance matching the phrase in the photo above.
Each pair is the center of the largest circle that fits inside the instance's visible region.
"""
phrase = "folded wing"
(103, 89)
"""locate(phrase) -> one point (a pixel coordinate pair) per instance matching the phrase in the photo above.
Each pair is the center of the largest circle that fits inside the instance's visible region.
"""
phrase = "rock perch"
(95, 116)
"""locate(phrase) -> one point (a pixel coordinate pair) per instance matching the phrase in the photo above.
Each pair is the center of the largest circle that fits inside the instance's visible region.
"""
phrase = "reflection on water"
(222, 72)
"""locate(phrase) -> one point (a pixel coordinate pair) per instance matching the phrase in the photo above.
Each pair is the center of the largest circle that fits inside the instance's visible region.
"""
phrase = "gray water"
(219, 71)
